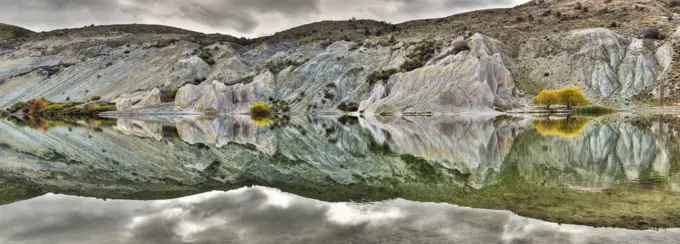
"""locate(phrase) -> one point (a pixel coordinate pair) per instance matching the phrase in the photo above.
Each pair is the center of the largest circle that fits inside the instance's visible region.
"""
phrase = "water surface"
(617, 171)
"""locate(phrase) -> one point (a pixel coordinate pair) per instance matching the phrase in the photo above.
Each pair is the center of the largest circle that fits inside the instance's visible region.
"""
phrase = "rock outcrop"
(610, 67)
(136, 100)
(463, 75)
(469, 81)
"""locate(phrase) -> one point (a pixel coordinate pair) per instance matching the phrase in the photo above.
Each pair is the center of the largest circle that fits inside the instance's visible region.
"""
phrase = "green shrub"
(460, 46)
(95, 98)
(423, 52)
(594, 110)
(168, 95)
(412, 64)
(277, 66)
(382, 75)
(206, 56)
(650, 33)
(17, 107)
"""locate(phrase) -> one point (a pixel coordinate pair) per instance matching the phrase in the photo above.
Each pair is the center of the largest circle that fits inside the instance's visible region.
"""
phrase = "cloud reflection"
(265, 215)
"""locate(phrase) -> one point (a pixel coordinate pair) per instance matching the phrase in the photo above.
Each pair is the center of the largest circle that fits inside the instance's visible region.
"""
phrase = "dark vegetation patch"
(348, 106)
(277, 66)
(423, 52)
(382, 75)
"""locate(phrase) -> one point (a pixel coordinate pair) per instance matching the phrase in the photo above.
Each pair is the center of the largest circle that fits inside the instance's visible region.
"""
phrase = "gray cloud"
(238, 17)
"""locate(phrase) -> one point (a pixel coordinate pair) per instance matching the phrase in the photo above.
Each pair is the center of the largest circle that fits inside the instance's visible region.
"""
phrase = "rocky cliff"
(437, 66)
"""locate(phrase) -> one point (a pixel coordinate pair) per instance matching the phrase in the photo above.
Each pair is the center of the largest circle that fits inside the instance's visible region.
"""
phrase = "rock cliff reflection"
(613, 171)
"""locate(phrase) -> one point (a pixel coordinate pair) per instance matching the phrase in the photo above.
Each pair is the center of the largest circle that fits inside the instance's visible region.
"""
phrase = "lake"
(483, 179)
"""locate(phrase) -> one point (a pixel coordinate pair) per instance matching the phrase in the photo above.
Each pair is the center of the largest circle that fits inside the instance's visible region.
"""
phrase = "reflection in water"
(43, 124)
(613, 172)
(567, 127)
(261, 121)
(265, 215)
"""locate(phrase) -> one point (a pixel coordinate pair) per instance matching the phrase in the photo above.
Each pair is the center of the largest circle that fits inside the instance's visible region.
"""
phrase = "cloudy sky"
(236, 17)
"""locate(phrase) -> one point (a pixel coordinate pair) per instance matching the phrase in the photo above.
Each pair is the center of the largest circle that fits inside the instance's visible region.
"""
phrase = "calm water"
(341, 180)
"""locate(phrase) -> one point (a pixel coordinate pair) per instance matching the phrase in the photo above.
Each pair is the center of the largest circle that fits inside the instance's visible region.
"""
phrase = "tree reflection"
(568, 127)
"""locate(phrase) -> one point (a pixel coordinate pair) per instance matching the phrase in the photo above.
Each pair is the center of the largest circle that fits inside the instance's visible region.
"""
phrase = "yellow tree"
(546, 97)
(572, 96)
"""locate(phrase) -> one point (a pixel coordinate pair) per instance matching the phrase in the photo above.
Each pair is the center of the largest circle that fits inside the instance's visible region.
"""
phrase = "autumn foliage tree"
(547, 98)
(570, 96)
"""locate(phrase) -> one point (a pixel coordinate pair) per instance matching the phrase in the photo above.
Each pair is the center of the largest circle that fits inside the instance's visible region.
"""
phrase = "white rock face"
(465, 82)
(602, 62)
(638, 69)
(107, 75)
(138, 100)
(611, 68)
(597, 61)
(677, 32)
(220, 98)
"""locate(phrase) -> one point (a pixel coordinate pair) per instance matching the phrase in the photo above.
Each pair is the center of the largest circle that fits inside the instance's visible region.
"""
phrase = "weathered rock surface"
(466, 82)
(610, 67)
(319, 77)
(136, 100)
(114, 72)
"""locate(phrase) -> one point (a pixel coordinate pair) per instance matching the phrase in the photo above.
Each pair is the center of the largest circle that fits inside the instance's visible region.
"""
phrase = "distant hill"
(11, 31)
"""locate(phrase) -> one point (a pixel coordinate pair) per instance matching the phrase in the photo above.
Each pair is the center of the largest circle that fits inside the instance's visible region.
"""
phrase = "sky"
(249, 18)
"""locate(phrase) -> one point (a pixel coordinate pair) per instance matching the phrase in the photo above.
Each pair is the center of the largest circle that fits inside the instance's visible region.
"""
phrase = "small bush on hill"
(423, 52)
(650, 32)
(382, 75)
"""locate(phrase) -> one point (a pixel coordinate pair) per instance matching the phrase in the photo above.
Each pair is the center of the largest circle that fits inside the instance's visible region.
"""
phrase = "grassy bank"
(45, 108)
